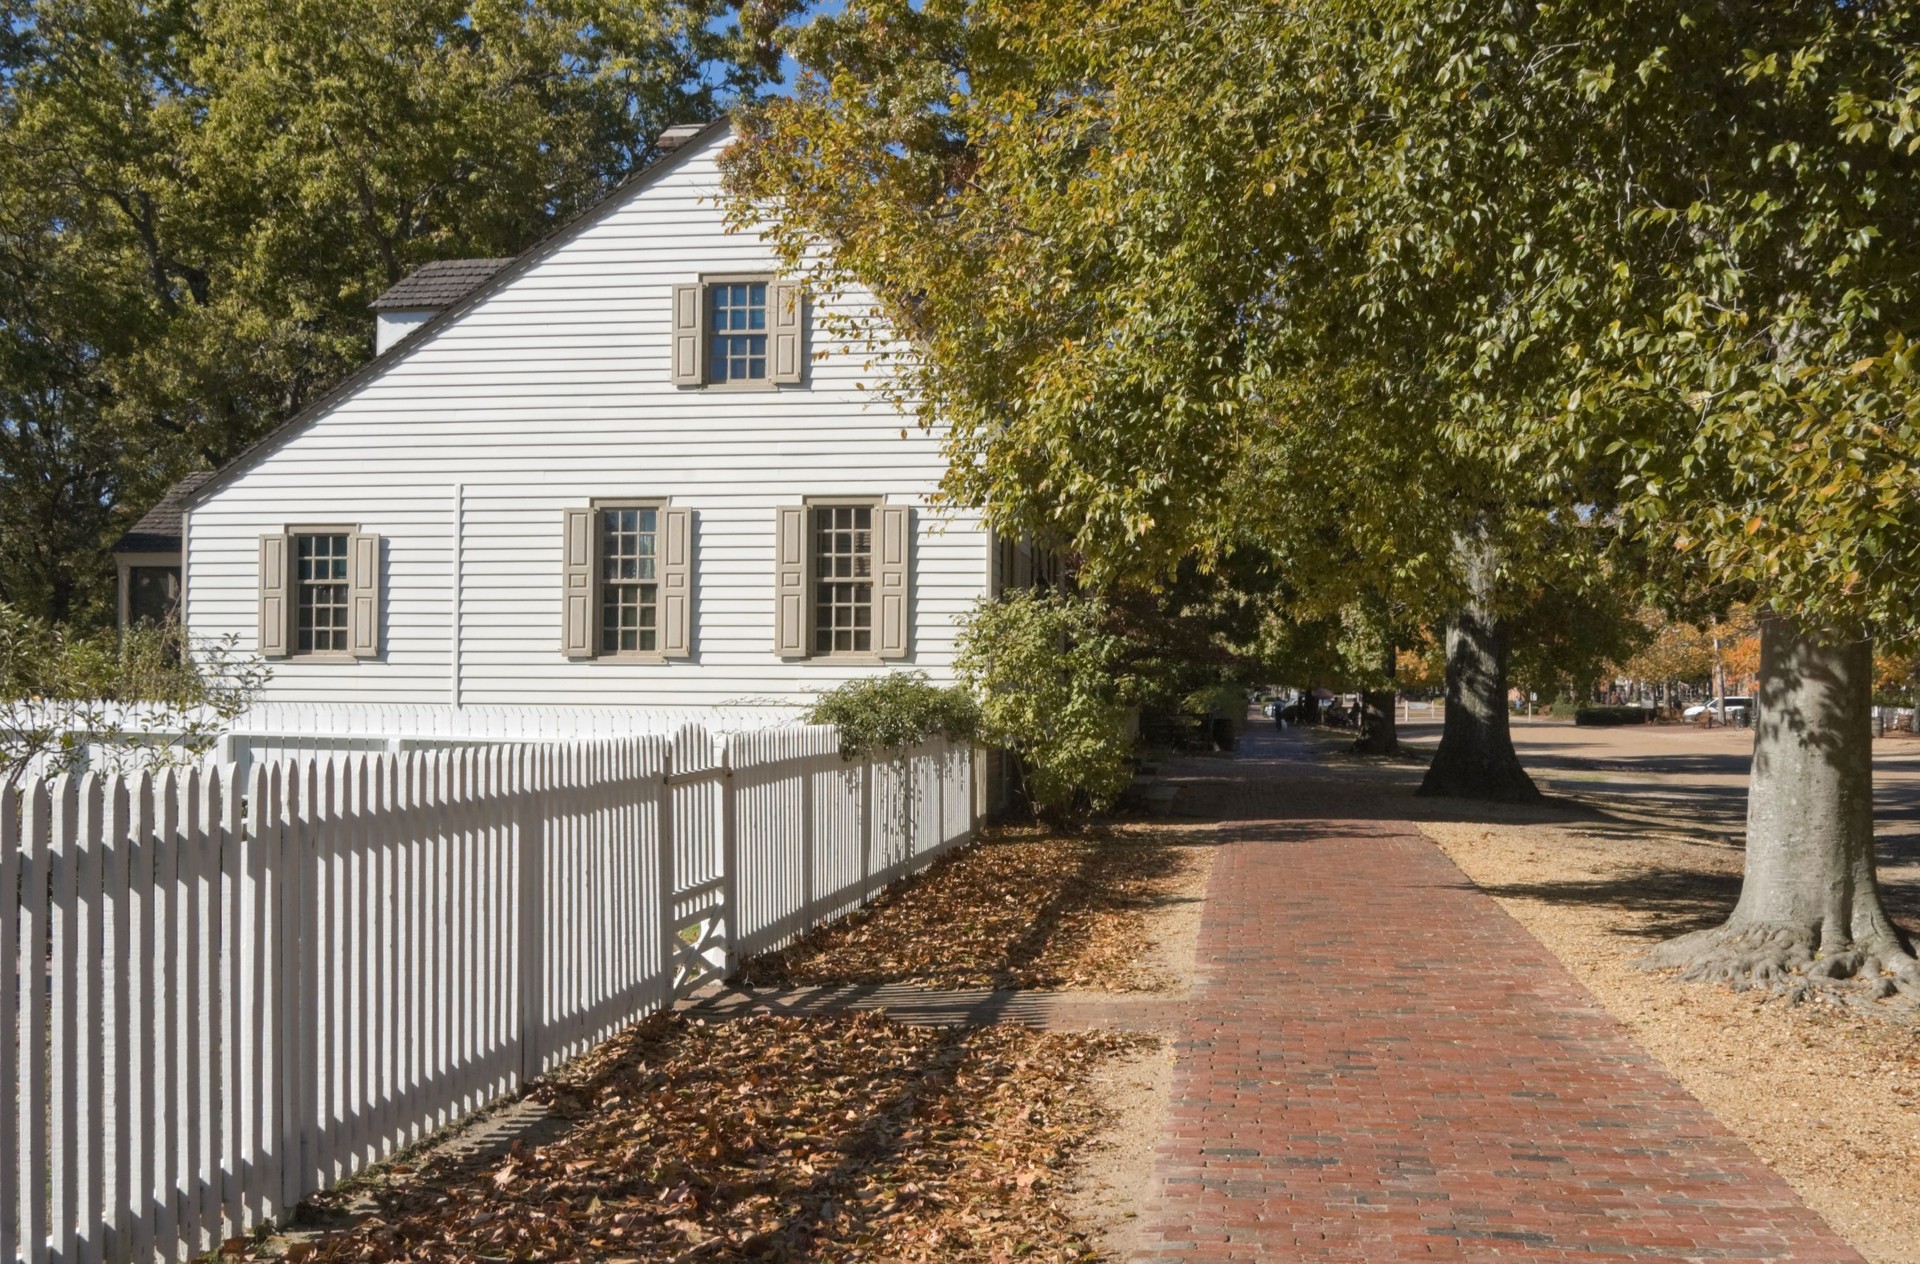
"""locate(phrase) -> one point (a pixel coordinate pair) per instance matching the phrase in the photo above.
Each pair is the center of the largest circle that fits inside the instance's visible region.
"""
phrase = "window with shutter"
(628, 583)
(321, 594)
(739, 332)
(854, 565)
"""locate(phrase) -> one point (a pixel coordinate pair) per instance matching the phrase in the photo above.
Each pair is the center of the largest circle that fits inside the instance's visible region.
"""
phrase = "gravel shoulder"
(1827, 1097)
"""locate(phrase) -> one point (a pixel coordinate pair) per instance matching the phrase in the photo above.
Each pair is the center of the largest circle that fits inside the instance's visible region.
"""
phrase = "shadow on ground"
(1671, 798)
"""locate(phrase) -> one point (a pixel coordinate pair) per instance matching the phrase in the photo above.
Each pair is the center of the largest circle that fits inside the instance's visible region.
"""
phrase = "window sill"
(742, 388)
(643, 660)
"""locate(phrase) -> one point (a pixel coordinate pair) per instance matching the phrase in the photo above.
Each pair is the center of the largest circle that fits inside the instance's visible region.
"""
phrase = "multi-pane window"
(629, 581)
(320, 594)
(737, 346)
(153, 594)
(843, 579)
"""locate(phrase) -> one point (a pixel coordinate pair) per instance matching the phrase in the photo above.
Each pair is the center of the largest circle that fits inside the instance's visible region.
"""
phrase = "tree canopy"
(1536, 299)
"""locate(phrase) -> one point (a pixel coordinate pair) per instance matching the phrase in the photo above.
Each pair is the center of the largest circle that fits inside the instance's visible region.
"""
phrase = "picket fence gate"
(221, 994)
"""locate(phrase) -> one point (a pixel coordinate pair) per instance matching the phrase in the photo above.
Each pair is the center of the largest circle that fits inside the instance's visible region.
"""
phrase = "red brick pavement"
(1379, 1064)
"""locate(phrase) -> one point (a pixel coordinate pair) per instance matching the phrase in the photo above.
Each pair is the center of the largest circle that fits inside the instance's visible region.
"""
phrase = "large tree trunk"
(1810, 903)
(1476, 759)
(1379, 734)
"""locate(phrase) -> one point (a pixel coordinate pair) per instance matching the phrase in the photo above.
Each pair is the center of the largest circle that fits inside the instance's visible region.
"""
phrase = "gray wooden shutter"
(789, 333)
(790, 582)
(676, 584)
(363, 594)
(892, 574)
(689, 335)
(276, 596)
(576, 604)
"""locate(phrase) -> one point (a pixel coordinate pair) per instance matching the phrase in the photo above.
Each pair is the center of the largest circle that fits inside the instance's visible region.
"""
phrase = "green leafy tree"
(1654, 261)
(1668, 255)
(1115, 265)
(1673, 651)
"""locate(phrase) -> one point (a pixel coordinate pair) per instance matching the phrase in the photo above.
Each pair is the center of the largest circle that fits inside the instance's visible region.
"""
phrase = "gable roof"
(634, 184)
(437, 284)
(158, 530)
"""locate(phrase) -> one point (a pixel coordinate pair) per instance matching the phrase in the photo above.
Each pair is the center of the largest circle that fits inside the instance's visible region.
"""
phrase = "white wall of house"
(553, 391)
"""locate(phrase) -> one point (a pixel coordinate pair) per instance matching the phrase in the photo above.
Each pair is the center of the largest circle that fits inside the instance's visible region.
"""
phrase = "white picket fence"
(220, 994)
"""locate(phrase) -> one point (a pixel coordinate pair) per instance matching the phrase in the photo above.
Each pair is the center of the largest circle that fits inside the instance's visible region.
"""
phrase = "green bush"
(61, 693)
(1051, 685)
(893, 712)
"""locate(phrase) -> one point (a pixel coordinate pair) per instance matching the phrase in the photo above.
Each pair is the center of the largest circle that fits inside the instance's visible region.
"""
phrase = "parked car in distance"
(1743, 705)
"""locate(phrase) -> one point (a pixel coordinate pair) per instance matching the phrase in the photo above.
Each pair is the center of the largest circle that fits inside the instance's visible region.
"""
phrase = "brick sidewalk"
(1378, 1064)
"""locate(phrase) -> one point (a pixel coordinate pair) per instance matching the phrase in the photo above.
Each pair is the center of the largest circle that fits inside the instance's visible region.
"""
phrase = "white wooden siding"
(554, 391)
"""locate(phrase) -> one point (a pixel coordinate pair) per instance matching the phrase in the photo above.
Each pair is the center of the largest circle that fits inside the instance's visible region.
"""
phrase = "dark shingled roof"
(159, 530)
(438, 284)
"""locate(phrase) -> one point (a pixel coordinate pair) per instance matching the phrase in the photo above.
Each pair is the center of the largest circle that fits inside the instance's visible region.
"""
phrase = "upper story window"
(320, 594)
(741, 332)
(843, 579)
(629, 580)
(737, 332)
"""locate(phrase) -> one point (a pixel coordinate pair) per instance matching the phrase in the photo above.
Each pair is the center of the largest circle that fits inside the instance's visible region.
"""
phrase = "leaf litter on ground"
(1023, 908)
(771, 1138)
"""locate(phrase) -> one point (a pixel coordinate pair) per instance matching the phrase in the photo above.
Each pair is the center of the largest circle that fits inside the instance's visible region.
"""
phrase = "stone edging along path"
(1377, 1063)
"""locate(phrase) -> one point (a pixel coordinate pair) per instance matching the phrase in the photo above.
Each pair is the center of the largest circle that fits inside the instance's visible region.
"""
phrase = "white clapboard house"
(626, 473)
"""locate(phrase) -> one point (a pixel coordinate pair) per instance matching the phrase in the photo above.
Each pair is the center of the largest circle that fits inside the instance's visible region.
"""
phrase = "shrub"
(147, 697)
(1050, 682)
(894, 712)
(1600, 716)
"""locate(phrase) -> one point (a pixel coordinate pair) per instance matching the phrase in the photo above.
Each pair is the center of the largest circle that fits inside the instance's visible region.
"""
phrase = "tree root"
(1788, 961)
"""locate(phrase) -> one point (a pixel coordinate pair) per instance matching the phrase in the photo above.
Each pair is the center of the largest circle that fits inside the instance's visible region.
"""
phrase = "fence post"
(530, 823)
(669, 933)
(809, 853)
(729, 857)
(866, 828)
